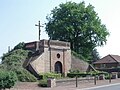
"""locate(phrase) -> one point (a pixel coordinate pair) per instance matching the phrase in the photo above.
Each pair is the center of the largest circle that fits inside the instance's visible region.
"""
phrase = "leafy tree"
(94, 56)
(77, 24)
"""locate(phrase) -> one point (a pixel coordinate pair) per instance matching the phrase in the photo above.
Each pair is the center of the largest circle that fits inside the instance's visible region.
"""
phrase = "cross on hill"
(39, 28)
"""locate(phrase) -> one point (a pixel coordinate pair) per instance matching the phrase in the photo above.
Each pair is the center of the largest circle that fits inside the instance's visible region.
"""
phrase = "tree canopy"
(78, 24)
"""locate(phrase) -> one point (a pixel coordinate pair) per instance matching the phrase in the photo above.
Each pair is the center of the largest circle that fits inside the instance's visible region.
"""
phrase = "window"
(58, 55)
(102, 65)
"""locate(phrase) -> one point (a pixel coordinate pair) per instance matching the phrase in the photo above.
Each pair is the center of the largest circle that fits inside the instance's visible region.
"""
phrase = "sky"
(18, 19)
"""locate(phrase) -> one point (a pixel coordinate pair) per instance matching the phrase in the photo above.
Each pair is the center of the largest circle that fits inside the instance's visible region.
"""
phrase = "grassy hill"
(78, 64)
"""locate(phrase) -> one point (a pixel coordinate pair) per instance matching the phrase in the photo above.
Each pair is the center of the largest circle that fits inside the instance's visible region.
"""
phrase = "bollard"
(109, 77)
(95, 80)
(51, 82)
(76, 82)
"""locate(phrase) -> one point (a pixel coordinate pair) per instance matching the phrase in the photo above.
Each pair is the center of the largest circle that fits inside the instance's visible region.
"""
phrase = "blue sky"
(18, 19)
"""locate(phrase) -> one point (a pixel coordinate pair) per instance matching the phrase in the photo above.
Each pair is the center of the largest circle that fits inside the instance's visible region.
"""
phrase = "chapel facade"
(48, 56)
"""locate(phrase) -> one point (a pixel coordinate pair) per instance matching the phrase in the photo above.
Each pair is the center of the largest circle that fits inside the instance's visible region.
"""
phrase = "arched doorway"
(58, 67)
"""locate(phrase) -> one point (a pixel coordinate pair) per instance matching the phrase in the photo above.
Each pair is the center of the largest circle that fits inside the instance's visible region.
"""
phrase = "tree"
(94, 56)
(77, 24)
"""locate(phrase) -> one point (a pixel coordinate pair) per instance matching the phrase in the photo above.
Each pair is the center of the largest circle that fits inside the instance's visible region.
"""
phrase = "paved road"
(105, 87)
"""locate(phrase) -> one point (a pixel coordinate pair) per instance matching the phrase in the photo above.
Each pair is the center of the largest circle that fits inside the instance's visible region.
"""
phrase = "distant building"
(109, 63)
(48, 56)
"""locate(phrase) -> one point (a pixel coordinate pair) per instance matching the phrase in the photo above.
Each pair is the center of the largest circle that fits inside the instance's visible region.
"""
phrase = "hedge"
(84, 74)
(72, 75)
(50, 75)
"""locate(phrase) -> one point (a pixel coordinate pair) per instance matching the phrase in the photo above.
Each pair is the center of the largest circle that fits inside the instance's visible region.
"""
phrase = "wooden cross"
(39, 28)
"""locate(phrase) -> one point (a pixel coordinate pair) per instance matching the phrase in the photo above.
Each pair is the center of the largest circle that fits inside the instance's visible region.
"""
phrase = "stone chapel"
(48, 56)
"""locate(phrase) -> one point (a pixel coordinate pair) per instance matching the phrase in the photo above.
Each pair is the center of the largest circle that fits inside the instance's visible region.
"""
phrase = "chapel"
(48, 56)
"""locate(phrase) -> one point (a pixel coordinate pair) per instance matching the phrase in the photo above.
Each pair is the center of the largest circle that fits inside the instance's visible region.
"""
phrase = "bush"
(108, 76)
(43, 83)
(50, 75)
(24, 76)
(45, 76)
(7, 79)
(72, 75)
(93, 73)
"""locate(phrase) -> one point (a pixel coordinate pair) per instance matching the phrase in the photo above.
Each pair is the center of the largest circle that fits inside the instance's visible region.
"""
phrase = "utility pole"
(39, 28)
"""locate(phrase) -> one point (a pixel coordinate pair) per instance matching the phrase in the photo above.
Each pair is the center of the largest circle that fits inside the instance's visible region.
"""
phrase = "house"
(109, 63)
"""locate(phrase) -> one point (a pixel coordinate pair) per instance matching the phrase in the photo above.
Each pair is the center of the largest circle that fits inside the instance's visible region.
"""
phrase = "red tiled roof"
(109, 59)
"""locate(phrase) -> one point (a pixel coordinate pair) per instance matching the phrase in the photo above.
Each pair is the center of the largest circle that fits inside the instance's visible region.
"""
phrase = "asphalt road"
(106, 87)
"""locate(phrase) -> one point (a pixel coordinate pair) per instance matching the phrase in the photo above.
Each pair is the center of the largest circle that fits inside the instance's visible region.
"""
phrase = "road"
(105, 87)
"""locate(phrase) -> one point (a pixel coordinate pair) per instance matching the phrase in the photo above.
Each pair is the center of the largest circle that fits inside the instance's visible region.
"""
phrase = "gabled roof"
(109, 59)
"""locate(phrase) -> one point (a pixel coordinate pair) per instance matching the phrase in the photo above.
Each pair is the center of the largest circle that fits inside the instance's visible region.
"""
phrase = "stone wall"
(39, 64)
(67, 61)
(47, 59)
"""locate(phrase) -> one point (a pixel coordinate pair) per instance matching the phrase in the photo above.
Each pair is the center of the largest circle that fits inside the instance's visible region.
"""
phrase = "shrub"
(93, 73)
(72, 75)
(50, 75)
(7, 79)
(43, 83)
(24, 76)
(108, 76)
(45, 76)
